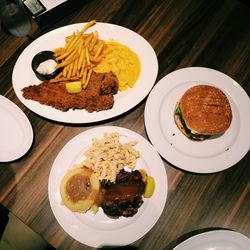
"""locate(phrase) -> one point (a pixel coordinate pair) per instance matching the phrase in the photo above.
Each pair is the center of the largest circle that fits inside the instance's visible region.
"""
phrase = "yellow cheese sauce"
(122, 61)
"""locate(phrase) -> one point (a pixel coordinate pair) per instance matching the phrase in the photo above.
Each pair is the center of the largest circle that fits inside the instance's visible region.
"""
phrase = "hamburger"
(203, 112)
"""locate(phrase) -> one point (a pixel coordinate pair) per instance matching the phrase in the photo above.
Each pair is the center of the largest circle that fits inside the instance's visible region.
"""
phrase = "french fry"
(73, 41)
(87, 79)
(82, 67)
(74, 54)
(87, 56)
(70, 37)
(65, 71)
(94, 59)
(88, 39)
(69, 73)
(59, 75)
(66, 62)
(99, 50)
(58, 51)
(84, 75)
(74, 70)
(63, 79)
(69, 49)
(81, 58)
(65, 54)
(88, 25)
(94, 40)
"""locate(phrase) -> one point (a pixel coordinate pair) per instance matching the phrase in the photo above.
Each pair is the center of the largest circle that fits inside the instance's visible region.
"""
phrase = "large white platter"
(124, 101)
(200, 157)
(216, 240)
(16, 134)
(99, 230)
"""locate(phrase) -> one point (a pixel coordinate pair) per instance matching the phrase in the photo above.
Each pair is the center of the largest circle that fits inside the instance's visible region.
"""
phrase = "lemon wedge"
(74, 87)
(150, 187)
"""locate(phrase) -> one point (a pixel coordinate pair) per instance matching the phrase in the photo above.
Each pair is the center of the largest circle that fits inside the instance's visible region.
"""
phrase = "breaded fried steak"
(203, 112)
(98, 96)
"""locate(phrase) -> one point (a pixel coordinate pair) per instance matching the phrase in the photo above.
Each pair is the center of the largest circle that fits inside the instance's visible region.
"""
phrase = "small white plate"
(23, 75)
(99, 230)
(200, 157)
(216, 240)
(16, 134)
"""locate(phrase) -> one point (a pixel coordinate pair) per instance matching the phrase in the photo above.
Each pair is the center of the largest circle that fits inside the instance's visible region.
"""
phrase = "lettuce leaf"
(178, 110)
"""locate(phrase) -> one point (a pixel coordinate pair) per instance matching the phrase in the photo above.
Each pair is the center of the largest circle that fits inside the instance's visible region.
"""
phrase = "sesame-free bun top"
(206, 110)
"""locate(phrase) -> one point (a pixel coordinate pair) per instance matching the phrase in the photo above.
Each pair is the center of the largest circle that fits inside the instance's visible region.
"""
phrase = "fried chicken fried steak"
(99, 94)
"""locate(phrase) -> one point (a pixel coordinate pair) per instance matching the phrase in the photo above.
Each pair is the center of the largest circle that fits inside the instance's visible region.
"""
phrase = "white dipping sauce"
(47, 67)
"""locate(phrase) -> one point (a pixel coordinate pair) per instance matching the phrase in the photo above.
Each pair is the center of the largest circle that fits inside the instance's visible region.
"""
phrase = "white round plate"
(99, 230)
(16, 134)
(207, 156)
(216, 240)
(23, 75)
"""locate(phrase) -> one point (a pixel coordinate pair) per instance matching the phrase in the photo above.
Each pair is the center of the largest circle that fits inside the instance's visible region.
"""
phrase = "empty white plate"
(216, 240)
(16, 134)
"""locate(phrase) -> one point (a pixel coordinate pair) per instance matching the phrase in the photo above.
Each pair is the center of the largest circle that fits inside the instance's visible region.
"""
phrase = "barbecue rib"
(99, 94)
(124, 197)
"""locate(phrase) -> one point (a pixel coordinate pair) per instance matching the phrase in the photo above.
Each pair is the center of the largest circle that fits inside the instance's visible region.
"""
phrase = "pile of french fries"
(81, 53)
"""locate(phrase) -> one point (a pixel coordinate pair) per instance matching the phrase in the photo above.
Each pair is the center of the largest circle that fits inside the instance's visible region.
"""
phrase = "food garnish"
(178, 110)
(74, 87)
(150, 187)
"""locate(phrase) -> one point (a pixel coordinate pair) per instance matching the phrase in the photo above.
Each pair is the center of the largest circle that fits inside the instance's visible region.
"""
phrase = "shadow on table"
(119, 248)
(14, 234)
(184, 237)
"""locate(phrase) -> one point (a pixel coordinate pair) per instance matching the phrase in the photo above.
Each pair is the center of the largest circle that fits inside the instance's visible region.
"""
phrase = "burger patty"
(186, 131)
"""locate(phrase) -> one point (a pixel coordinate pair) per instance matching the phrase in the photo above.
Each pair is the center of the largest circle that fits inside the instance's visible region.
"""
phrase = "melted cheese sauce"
(122, 61)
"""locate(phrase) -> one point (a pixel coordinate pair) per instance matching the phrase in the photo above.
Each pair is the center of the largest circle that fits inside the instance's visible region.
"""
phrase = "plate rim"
(143, 230)
(82, 116)
(230, 234)
(29, 135)
(168, 152)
